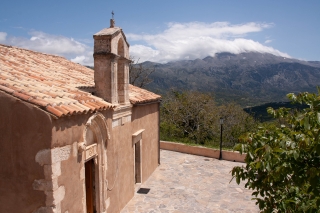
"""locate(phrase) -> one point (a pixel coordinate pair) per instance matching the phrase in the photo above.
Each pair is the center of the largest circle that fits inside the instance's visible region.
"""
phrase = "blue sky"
(163, 31)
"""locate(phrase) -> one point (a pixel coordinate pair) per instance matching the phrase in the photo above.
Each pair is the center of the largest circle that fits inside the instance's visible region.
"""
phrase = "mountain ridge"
(247, 78)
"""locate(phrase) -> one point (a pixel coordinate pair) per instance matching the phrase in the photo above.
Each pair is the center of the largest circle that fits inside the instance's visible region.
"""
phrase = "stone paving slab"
(188, 183)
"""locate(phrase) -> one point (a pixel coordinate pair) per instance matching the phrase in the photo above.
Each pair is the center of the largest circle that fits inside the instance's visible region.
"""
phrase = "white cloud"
(3, 36)
(268, 41)
(79, 59)
(198, 40)
(144, 52)
(85, 59)
(179, 41)
(53, 44)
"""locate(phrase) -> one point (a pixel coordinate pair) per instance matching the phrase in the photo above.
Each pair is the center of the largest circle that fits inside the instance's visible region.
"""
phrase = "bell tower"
(111, 65)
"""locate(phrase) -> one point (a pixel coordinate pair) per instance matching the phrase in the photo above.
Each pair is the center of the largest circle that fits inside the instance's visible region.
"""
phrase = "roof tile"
(88, 106)
(22, 96)
(64, 111)
(55, 84)
(140, 96)
(6, 89)
(40, 102)
(54, 111)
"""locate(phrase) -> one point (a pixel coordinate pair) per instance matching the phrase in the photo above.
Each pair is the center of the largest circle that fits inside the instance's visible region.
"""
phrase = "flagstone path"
(186, 183)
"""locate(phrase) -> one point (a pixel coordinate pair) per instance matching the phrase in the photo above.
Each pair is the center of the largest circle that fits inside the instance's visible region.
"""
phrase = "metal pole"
(220, 156)
(159, 132)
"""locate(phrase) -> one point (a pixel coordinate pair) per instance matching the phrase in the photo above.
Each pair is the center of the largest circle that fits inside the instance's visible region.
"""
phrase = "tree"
(283, 162)
(139, 75)
(188, 115)
(236, 123)
(193, 116)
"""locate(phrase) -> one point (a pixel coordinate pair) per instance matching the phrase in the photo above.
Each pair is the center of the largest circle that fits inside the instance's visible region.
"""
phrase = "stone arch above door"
(94, 146)
(97, 124)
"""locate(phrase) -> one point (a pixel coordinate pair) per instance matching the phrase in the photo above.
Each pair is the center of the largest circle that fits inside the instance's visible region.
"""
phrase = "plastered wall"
(121, 178)
(147, 117)
(24, 130)
(120, 167)
(67, 132)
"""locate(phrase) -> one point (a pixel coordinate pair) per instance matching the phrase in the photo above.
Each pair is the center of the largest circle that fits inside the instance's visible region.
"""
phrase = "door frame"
(98, 153)
(137, 141)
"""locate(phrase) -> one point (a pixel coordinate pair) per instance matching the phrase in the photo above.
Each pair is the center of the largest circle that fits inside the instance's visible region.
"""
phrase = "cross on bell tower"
(112, 22)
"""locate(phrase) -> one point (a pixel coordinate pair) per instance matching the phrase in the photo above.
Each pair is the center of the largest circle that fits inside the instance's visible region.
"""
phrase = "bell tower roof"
(111, 32)
(108, 31)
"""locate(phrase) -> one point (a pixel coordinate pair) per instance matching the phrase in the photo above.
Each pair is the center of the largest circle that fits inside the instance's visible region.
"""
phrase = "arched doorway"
(94, 155)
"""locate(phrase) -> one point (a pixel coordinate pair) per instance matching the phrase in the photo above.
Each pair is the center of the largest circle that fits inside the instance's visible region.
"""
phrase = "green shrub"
(283, 162)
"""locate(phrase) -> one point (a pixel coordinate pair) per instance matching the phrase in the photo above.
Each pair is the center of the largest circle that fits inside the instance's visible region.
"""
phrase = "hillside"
(248, 78)
(260, 112)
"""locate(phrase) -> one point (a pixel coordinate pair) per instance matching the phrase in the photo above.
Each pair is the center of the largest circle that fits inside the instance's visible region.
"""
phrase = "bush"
(283, 162)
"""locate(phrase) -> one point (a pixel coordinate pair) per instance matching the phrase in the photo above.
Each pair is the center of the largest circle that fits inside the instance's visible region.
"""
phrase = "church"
(74, 139)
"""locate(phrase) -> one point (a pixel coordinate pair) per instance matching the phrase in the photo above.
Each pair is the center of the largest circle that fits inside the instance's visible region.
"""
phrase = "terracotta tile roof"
(140, 96)
(53, 83)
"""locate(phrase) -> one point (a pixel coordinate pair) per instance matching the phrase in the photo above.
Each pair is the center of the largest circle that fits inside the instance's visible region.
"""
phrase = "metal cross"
(112, 14)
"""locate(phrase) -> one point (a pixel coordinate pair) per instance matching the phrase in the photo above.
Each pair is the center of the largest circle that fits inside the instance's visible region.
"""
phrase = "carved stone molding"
(121, 115)
(137, 136)
(91, 152)
(98, 124)
(81, 147)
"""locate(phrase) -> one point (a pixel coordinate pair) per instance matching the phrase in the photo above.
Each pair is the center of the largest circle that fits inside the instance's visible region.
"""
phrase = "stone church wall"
(147, 117)
(121, 159)
(24, 130)
(120, 171)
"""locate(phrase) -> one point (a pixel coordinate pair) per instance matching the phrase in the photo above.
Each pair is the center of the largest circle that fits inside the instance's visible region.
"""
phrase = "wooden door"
(137, 162)
(89, 170)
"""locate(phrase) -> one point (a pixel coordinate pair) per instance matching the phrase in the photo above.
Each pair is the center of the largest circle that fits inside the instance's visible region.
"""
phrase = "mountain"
(248, 78)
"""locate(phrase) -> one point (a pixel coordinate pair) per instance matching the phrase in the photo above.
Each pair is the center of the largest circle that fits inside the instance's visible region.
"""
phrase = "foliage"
(282, 162)
(193, 117)
(260, 112)
(236, 122)
(139, 75)
(184, 115)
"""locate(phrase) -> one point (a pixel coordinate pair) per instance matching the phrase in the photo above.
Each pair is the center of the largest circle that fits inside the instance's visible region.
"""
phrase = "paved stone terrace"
(189, 183)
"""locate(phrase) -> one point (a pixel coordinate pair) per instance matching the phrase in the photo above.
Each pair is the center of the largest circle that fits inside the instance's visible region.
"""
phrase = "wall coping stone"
(202, 151)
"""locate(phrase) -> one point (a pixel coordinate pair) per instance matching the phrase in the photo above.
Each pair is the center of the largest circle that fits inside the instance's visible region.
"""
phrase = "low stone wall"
(202, 151)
